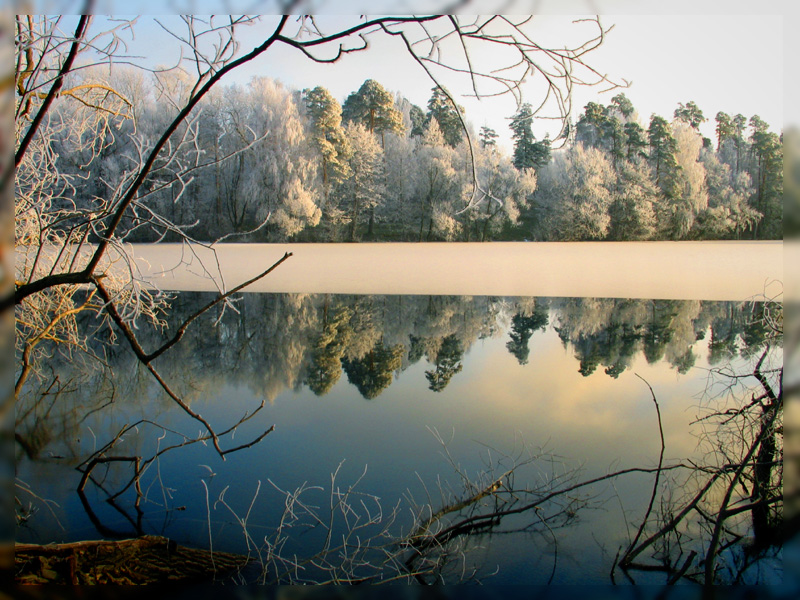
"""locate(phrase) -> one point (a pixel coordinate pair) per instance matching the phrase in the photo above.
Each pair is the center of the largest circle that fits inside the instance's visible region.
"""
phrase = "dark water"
(386, 408)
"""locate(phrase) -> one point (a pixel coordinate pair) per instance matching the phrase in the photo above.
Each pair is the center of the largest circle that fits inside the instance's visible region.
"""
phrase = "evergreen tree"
(739, 125)
(590, 126)
(690, 113)
(767, 173)
(522, 328)
(374, 372)
(417, 116)
(614, 132)
(488, 137)
(633, 209)
(448, 364)
(374, 107)
(724, 128)
(623, 105)
(635, 141)
(446, 113)
(662, 155)
(327, 135)
(528, 153)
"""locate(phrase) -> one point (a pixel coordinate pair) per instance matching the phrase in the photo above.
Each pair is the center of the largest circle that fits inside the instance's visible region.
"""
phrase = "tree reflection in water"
(713, 521)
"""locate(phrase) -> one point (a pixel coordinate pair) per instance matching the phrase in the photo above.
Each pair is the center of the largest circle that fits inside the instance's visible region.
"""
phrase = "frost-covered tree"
(506, 193)
(575, 206)
(729, 213)
(397, 213)
(691, 193)
(437, 185)
(634, 208)
(364, 189)
(284, 170)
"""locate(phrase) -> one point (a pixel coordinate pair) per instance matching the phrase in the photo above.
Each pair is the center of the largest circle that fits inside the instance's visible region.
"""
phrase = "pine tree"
(635, 141)
(767, 173)
(528, 153)
(591, 125)
(690, 113)
(488, 137)
(417, 117)
(446, 113)
(739, 125)
(327, 135)
(662, 155)
(374, 107)
(724, 129)
(623, 105)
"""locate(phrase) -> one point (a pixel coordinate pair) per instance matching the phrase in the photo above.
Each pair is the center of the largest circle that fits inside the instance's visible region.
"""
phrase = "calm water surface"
(407, 396)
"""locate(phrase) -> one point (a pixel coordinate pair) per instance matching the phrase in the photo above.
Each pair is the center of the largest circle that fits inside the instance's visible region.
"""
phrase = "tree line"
(269, 163)
(620, 181)
(281, 342)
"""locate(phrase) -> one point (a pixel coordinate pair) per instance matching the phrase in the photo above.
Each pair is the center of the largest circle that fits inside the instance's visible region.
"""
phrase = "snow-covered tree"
(633, 210)
(505, 193)
(437, 185)
(691, 193)
(364, 189)
(576, 195)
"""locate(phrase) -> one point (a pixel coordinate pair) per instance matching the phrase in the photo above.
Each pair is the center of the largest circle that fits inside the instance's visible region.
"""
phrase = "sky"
(722, 62)
(730, 56)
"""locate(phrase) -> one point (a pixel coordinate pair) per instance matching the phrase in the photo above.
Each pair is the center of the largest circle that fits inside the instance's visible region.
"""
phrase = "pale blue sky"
(723, 60)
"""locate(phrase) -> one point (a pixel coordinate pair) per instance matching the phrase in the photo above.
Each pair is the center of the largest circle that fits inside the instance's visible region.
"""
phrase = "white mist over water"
(730, 270)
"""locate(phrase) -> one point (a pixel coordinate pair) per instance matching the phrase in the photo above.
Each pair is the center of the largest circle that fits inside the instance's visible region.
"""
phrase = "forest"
(298, 165)
(105, 156)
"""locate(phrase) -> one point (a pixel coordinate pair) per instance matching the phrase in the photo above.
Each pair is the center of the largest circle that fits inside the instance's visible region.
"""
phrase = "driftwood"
(144, 560)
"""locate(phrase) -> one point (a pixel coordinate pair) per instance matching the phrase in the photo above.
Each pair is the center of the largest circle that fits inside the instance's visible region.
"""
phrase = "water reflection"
(277, 342)
(488, 368)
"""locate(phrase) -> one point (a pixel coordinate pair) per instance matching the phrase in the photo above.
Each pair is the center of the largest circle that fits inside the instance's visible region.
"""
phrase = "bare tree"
(71, 249)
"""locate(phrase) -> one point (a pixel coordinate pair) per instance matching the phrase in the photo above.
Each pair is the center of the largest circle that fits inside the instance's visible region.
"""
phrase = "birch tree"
(578, 184)
(691, 193)
(437, 184)
(364, 189)
(208, 49)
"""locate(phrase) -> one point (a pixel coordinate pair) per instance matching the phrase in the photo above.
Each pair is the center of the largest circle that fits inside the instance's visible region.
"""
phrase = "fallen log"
(144, 560)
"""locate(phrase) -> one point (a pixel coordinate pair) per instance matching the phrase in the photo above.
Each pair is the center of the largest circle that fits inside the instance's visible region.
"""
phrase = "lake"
(437, 410)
